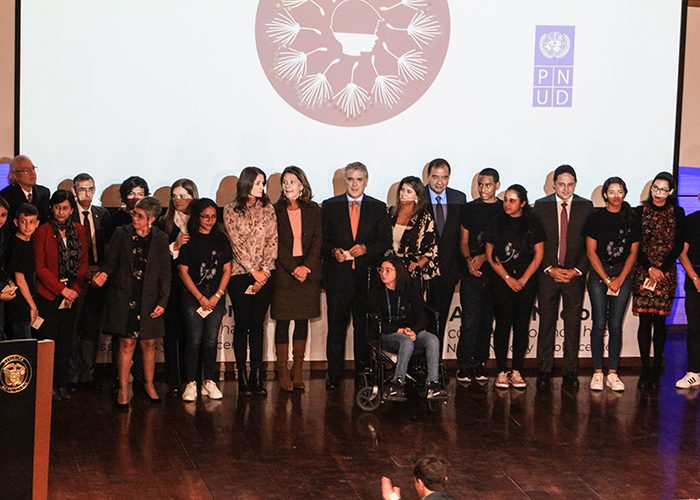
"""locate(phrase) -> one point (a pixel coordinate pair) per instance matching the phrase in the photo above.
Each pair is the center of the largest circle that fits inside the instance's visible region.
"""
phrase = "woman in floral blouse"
(413, 230)
(251, 226)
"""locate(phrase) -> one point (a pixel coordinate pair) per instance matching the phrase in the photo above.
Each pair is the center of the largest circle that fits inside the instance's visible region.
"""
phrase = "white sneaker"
(614, 382)
(209, 389)
(691, 379)
(190, 392)
(516, 380)
(502, 380)
(597, 382)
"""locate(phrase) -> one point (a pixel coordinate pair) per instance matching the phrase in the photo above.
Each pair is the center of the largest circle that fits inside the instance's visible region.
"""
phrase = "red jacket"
(46, 259)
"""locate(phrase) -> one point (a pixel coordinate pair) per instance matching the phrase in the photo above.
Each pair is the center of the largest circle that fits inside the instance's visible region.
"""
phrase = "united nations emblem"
(15, 373)
(555, 45)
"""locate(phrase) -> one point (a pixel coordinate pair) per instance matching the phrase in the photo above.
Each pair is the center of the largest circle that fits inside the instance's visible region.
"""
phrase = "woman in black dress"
(137, 264)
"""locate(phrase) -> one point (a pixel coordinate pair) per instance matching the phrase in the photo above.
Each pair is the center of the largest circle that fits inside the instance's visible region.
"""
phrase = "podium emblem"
(15, 373)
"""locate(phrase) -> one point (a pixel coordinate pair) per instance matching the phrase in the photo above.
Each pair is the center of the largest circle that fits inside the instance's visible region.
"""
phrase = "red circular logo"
(352, 62)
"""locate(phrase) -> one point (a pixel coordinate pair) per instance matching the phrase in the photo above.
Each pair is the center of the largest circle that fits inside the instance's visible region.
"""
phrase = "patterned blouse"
(253, 237)
(417, 241)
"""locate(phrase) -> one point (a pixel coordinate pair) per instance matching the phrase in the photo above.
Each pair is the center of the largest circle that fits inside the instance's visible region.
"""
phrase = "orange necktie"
(354, 218)
(354, 221)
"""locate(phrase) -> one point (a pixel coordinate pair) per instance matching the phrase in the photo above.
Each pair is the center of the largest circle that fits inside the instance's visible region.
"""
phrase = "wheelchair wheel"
(368, 398)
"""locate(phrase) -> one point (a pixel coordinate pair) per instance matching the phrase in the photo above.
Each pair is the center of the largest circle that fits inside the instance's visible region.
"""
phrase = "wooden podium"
(26, 379)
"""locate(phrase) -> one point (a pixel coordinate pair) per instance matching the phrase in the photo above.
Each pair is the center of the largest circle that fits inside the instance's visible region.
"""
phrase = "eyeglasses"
(208, 217)
(658, 189)
(185, 196)
(137, 215)
(27, 170)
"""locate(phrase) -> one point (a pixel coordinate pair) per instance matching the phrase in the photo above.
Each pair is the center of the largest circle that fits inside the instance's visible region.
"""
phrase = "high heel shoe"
(121, 406)
(153, 401)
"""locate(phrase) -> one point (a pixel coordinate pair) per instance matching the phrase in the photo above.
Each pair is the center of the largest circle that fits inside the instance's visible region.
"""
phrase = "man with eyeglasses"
(81, 364)
(24, 189)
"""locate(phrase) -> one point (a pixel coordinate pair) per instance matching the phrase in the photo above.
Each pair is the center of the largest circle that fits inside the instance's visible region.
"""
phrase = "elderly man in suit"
(82, 362)
(563, 274)
(445, 205)
(24, 189)
(356, 232)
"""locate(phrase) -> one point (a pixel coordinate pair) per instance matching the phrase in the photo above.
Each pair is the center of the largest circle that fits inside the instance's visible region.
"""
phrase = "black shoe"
(257, 376)
(655, 377)
(436, 391)
(465, 375)
(64, 392)
(121, 406)
(644, 381)
(153, 401)
(480, 373)
(244, 388)
(332, 383)
(395, 391)
(544, 381)
(570, 380)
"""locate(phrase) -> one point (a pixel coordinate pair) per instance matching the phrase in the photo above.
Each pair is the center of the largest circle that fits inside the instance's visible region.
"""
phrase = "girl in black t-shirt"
(612, 241)
(204, 264)
(514, 248)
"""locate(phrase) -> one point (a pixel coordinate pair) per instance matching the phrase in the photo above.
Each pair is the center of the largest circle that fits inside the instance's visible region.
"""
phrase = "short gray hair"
(150, 205)
(356, 165)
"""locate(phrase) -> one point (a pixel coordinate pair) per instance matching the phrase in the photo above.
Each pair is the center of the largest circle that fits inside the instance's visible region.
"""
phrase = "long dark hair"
(524, 236)
(625, 210)
(196, 208)
(421, 195)
(306, 193)
(403, 279)
(668, 177)
(169, 217)
(245, 185)
(522, 195)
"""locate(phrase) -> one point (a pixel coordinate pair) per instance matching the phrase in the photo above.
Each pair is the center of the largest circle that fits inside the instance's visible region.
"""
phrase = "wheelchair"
(379, 374)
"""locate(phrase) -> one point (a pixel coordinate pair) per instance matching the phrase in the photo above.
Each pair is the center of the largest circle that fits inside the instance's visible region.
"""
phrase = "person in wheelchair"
(403, 321)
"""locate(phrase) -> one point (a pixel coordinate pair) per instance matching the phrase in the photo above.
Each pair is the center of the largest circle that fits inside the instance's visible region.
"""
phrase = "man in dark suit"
(356, 232)
(562, 274)
(88, 330)
(445, 205)
(24, 189)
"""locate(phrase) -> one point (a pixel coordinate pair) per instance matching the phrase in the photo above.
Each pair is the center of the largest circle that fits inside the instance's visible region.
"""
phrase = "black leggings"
(301, 330)
(249, 313)
(644, 338)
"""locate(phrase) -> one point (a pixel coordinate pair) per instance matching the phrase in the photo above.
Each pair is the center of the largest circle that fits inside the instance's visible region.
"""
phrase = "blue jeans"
(202, 334)
(401, 344)
(610, 310)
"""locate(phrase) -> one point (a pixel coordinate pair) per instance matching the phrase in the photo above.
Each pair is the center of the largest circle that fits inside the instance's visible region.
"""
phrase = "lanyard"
(388, 303)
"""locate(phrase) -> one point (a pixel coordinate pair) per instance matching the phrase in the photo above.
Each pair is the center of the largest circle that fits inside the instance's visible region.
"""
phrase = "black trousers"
(549, 296)
(59, 326)
(476, 301)
(692, 312)
(513, 311)
(343, 301)
(249, 313)
(88, 330)
(175, 335)
(440, 293)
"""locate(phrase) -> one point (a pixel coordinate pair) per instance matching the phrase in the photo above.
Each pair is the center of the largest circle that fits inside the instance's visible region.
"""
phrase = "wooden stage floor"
(500, 444)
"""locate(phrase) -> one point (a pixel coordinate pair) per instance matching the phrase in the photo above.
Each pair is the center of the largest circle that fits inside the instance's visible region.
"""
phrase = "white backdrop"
(170, 88)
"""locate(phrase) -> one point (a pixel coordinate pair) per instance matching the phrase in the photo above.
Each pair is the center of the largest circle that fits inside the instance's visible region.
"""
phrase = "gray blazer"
(118, 264)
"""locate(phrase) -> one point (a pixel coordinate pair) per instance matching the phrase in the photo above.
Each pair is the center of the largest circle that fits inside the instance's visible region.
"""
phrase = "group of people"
(72, 270)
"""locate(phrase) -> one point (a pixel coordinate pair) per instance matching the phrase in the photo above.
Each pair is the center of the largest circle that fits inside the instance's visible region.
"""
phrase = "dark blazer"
(291, 299)
(15, 197)
(118, 264)
(99, 214)
(374, 232)
(449, 255)
(546, 211)
(46, 259)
